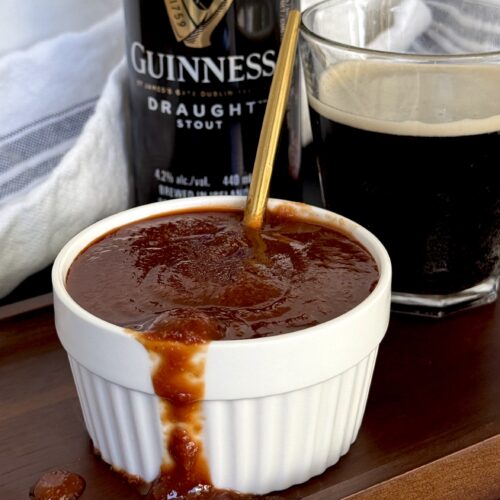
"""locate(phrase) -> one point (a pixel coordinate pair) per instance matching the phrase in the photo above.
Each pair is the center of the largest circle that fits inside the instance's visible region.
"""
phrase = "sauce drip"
(178, 381)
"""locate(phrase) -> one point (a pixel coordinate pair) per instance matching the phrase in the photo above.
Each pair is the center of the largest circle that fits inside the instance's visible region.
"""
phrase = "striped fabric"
(47, 94)
(29, 154)
(63, 161)
(460, 27)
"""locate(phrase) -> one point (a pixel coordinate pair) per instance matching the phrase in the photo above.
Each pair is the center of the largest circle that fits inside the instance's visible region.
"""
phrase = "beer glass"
(404, 98)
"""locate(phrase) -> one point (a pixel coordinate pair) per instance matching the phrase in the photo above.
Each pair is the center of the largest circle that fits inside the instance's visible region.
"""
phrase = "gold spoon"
(271, 127)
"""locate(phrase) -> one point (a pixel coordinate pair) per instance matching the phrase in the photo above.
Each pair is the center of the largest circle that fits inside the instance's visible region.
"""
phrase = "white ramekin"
(277, 410)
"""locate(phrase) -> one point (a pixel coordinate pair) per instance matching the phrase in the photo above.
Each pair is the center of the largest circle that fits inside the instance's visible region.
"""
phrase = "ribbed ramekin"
(276, 410)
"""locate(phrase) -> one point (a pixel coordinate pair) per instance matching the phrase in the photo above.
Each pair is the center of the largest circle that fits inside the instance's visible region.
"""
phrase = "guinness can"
(199, 77)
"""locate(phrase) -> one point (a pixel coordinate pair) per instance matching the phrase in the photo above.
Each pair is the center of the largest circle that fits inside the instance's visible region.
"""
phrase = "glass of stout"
(404, 97)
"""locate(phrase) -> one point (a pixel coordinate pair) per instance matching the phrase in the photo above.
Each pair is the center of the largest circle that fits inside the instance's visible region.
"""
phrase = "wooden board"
(434, 405)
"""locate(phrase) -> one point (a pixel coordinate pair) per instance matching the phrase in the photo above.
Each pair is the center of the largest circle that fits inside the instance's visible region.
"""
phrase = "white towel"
(26, 22)
(63, 114)
(63, 161)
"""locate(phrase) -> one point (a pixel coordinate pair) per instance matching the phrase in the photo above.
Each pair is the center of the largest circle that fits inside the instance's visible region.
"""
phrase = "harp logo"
(193, 21)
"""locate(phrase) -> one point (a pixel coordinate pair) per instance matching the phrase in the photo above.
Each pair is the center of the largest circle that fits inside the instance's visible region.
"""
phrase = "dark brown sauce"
(58, 485)
(202, 277)
(181, 281)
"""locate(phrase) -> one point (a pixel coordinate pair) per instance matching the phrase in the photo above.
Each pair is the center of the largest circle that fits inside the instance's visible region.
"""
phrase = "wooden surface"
(470, 473)
(431, 428)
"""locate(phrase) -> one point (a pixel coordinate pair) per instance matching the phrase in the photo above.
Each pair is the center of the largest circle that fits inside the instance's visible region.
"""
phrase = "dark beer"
(423, 176)
(199, 76)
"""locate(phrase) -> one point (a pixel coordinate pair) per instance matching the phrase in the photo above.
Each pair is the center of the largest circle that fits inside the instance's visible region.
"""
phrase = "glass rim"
(305, 30)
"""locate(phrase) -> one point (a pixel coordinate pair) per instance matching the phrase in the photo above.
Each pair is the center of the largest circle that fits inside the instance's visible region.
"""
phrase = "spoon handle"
(271, 127)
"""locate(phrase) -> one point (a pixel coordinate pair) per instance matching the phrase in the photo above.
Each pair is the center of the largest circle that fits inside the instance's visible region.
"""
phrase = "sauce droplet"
(58, 485)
